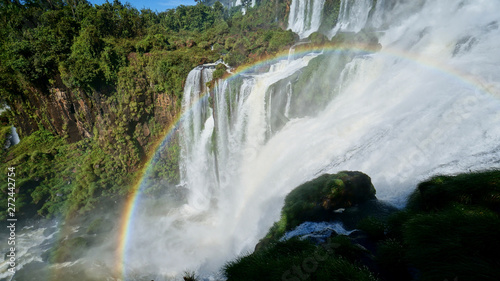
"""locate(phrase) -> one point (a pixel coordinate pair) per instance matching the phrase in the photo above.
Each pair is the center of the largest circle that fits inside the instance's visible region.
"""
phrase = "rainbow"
(133, 200)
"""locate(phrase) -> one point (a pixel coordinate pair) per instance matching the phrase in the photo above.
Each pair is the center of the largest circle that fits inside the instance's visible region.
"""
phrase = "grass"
(457, 241)
(295, 260)
(481, 188)
(448, 230)
(374, 228)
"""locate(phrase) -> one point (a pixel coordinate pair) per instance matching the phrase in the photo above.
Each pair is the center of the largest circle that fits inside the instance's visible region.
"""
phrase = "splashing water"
(305, 16)
(353, 15)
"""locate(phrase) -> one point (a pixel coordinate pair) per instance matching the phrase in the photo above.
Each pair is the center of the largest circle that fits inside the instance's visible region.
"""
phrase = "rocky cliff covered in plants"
(104, 83)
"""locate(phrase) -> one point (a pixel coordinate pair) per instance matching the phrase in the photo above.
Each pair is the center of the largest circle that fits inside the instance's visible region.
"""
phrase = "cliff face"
(136, 110)
(59, 111)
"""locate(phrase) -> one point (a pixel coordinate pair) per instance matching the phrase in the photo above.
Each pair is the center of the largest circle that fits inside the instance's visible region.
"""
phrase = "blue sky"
(155, 5)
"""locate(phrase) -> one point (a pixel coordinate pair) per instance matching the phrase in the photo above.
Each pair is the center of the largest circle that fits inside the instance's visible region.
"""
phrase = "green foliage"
(312, 90)
(373, 227)
(330, 15)
(83, 63)
(318, 38)
(468, 189)
(280, 39)
(345, 248)
(295, 260)
(391, 259)
(33, 159)
(448, 230)
(317, 200)
(4, 132)
(165, 167)
(458, 241)
(220, 70)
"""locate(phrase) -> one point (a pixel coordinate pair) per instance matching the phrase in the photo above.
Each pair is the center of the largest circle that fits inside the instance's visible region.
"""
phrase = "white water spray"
(353, 15)
(305, 16)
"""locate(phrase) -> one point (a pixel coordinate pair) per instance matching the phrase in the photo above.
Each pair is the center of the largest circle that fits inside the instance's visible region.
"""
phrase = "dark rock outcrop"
(320, 200)
(317, 200)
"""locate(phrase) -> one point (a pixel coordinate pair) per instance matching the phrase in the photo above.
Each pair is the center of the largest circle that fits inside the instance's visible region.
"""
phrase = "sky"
(155, 5)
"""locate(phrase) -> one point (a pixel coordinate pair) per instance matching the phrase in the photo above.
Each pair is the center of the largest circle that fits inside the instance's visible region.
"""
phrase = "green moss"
(317, 200)
(311, 92)
(4, 132)
(448, 230)
(330, 15)
(318, 38)
(458, 241)
(295, 260)
(469, 189)
(373, 227)
(391, 259)
(451, 236)
(220, 70)
(280, 39)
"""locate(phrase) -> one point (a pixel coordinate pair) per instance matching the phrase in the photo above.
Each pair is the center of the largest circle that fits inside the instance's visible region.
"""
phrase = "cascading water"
(31, 242)
(305, 16)
(15, 137)
(239, 3)
(426, 103)
(353, 15)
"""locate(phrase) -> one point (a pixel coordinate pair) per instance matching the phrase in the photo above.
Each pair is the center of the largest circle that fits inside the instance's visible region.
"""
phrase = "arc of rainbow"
(133, 198)
(131, 202)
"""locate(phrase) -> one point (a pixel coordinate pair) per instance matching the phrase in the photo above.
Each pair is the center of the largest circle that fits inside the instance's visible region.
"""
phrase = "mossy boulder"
(473, 189)
(220, 70)
(317, 200)
(318, 38)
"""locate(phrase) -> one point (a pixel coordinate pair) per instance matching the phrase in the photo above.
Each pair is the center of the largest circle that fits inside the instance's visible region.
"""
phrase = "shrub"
(458, 241)
(481, 189)
(373, 227)
(391, 259)
(294, 260)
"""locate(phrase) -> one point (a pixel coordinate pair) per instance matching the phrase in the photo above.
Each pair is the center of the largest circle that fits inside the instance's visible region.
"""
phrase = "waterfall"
(352, 16)
(239, 3)
(427, 103)
(198, 118)
(15, 137)
(288, 99)
(305, 16)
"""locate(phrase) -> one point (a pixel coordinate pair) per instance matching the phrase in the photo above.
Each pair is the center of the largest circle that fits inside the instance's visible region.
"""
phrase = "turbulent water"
(427, 103)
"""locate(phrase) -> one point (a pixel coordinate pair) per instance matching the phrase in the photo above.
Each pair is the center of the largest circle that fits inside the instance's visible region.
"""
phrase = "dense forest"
(92, 88)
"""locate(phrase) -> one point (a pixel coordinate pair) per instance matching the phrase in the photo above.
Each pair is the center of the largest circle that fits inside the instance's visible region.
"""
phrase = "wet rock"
(322, 199)
(317, 200)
